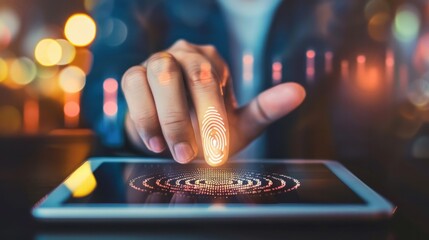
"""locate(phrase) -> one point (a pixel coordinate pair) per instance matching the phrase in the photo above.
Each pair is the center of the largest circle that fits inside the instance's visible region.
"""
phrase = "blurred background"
(364, 65)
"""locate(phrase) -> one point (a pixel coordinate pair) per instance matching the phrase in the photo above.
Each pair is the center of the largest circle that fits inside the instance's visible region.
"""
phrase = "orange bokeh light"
(71, 109)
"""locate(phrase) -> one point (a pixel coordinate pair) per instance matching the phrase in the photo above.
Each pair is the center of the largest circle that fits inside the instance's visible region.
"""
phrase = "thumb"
(266, 108)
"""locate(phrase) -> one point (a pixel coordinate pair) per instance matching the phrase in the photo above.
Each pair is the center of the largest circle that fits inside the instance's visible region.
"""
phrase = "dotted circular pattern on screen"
(213, 134)
(215, 182)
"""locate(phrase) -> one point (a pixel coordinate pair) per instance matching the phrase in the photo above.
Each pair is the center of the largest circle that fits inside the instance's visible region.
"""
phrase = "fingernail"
(156, 144)
(183, 152)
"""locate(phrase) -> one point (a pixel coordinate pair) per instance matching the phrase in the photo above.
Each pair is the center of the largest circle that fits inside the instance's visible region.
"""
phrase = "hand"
(183, 98)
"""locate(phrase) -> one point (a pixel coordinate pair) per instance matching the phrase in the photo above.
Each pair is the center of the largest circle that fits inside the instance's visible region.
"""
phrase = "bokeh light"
(115, 32)
(10, 120)
(48, 52)
(68, 52)
(71, 109)
(110, 108)
(22, 71)
(3, 70)
(9, 26)
(110, 85)
(80, 29)
(375, 7)
(72, 79)
(407, 23)
(378, 27)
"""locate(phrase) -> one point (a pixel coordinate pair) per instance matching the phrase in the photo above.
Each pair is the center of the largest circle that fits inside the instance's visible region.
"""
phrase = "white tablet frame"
(377, 208)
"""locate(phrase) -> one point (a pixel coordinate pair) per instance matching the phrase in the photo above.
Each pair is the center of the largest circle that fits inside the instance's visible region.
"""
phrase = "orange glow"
(214, 137)
(31, 116)
(344, 70)
(328, 61)
(110, 85)
(361, 59)
(3, 70)
(71, 109)
(205, 72)
(277, 72)
(390, 59)
(10, 120)
(248, 68)
(390, 64)
(310, 70)
(311, 54)
(110, 108)
(371, 81)
(80, 29)
(83, 59)
(164, 78)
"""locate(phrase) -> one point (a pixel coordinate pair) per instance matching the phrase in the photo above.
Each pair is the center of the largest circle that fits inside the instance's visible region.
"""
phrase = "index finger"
(205, 90)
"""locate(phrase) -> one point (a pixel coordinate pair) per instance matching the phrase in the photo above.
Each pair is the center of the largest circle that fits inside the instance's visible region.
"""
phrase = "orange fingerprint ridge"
(213, 134)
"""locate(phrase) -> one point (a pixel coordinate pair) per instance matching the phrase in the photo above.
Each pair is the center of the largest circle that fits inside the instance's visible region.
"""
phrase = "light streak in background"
(389, 65)
(3, 70)
(277, 72)
(71, 109)
(310, 71)
(345, 70)
(31, 116)
(248, 68)
(214, 137)
(361, 70)
(110, 96)
(328, 61)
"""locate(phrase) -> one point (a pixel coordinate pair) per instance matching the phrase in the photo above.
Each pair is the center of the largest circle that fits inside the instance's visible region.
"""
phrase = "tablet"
(130, 189)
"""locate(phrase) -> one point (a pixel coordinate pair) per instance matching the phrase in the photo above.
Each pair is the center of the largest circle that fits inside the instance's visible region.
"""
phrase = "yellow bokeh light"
(48, 52)
(68, 52)
(72, 79)
(82, 182)
(22, 71)
(3, 70)
(80, 29)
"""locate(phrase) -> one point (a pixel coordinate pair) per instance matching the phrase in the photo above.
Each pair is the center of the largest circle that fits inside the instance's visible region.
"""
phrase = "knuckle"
(181, 43)
(162, 62)
(132, 77)
(174, 121)
(210, 49)
(144, 120)
(202, 75)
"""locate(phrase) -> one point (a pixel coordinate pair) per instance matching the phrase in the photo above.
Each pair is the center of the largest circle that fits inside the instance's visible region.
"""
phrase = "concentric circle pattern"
(215, 182)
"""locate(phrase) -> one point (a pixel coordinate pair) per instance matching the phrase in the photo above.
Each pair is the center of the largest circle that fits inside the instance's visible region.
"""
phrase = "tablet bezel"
(376, 208)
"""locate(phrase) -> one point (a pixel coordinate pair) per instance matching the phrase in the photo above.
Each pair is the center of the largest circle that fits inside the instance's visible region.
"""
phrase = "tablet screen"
(172, 183)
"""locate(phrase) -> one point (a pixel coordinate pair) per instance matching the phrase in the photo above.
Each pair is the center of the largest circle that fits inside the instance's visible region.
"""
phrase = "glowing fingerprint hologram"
(214, 137)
